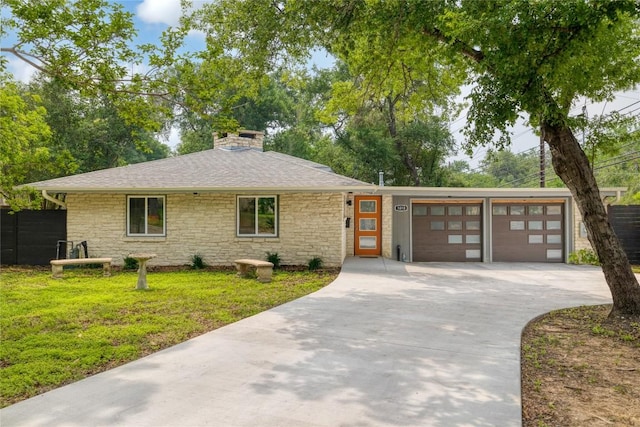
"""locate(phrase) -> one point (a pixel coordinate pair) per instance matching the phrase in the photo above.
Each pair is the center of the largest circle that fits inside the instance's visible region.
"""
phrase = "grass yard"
(55, 332)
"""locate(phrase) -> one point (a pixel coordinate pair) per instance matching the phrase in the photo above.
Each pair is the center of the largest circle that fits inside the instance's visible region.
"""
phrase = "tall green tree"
(24, 137)
(269, 106)
(612, 145)
(512, 169)
(523, 57)
(87, 45)
(89, 132)
(410, 153)
(460, 174)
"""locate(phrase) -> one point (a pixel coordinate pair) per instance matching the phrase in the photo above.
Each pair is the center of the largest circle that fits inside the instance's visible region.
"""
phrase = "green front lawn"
(55, 332)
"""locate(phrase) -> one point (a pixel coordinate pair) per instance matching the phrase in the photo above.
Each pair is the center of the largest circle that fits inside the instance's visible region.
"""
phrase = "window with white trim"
(257, 216)
(146, 216)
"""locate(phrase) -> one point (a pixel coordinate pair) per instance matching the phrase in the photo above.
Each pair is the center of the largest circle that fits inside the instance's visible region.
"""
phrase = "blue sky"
(151, 17)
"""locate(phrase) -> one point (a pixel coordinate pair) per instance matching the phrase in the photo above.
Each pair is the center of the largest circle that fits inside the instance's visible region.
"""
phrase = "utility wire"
(622, 158)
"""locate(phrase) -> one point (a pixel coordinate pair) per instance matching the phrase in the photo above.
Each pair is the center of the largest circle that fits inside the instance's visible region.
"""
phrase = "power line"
(622, 158)
(484, 149)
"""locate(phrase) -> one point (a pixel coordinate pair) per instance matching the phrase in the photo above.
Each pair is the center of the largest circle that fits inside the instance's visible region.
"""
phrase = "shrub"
(274, 259)
(130, 263)
(315, 263)
(584, 256)
(197, 262)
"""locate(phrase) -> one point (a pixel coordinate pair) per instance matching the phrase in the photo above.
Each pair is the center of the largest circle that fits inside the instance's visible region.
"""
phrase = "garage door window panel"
(437, 210)
(455, 210)
(455, 225)
(472, 239)
(473, 253)
(535, 225)
(516, 210)
(554, 239)
(535, 239)
(536, 210)
(419, 210)
(516, 225)
(554, 210)
(455, 239)
(472, 210)
(554, 253)
(473, 225)
(500, 210)
(554, 225)
(437, 225)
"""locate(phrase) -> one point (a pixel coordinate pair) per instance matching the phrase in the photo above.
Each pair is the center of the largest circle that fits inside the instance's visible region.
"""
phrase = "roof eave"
(489, 192)
(183, 190)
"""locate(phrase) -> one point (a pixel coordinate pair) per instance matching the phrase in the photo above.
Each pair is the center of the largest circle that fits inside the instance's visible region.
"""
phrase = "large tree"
(89, 131)
(512, 169)
(523, 57)
(88, 46)
(24, 135)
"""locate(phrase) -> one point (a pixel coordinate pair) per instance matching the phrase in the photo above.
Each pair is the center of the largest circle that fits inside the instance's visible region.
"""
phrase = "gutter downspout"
(46, 196)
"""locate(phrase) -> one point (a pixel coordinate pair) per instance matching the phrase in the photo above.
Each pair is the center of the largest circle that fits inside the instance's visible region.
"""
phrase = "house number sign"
(402, 208)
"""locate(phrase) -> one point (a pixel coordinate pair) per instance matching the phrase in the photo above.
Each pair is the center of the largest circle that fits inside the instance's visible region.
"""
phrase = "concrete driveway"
(386, 344)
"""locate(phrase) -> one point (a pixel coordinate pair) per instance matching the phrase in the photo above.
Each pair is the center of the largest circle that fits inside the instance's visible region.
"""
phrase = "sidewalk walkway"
(386, 344)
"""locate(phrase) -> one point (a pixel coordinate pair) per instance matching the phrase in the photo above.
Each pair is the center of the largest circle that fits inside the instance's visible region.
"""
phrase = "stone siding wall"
(310, 225)
(349, 212)
(387, 227)
(579, 242)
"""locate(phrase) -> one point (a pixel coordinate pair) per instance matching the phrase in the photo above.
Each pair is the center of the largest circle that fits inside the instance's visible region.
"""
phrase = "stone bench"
(264, 269)
(58, 264)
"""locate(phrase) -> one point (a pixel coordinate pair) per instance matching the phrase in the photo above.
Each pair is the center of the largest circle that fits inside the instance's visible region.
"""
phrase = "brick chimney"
(242, 139)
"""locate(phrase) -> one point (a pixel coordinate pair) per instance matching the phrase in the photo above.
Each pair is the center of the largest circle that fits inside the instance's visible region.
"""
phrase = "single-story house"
(238, 201)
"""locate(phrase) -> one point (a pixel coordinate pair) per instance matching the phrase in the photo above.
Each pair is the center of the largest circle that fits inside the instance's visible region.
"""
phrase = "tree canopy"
(24, 135)
(533, 58)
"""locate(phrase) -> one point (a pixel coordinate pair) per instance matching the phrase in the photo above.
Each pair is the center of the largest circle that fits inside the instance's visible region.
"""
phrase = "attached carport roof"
(219, 170)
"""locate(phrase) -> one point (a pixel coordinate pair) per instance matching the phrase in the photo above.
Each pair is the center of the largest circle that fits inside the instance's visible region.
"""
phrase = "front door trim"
(368, 226)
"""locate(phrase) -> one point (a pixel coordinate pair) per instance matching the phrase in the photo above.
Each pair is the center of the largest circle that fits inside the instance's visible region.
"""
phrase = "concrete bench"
(264, 269)
(58, 264)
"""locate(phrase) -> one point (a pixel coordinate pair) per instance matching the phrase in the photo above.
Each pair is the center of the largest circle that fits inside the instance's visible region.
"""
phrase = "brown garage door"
(528, 232)
(447, 231)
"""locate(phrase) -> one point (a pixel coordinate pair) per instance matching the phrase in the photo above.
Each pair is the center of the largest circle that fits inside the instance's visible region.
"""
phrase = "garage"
(527, 231)
(447, 231)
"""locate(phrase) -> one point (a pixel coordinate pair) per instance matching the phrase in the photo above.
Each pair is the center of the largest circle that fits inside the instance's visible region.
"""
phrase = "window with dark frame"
(257, 216)
(146, 216)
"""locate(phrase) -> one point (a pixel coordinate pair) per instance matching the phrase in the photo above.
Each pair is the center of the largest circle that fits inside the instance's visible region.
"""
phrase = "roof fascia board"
(444, 192)
(138, 190)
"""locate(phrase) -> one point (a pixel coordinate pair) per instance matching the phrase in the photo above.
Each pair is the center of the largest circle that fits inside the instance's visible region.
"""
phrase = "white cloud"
(21, 71)
(160, 12)
(166, 12)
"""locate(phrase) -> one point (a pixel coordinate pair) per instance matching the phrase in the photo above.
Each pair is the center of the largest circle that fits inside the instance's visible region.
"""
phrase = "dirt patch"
(581, 369)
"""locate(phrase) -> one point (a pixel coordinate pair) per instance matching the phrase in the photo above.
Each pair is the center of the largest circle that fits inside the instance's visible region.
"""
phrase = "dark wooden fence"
(30, 237)
(625, 221)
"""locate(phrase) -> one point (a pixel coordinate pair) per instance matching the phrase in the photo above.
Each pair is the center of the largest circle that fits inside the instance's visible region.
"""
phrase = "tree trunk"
(572, 166)
(407, 161)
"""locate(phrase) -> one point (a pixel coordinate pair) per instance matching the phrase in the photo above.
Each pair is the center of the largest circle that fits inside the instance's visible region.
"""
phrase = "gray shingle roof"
(210, 170)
